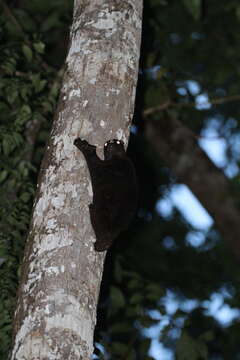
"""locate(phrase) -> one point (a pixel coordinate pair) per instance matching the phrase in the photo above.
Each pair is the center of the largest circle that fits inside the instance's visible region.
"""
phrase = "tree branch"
(10, 15)
(178, 147)
(169, 104)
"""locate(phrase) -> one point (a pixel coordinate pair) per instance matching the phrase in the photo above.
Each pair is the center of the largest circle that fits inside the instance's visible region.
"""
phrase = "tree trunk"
(178, 147)
(61, 274)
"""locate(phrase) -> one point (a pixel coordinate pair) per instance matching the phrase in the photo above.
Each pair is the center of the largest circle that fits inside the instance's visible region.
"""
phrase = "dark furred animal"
(114, 190)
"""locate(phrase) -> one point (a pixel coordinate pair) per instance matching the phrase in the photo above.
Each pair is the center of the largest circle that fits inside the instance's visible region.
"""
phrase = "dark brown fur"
(114, 190)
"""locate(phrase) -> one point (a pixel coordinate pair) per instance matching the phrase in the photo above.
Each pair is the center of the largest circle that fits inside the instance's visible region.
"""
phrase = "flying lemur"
(114, 190)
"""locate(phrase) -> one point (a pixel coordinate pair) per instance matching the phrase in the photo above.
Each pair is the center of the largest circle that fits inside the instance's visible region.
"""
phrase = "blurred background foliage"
(165, 295)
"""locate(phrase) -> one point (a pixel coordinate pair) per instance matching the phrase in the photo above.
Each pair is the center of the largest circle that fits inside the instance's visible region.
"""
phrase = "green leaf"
(47, 106)
(27, 52)
(145, 345)
(54, 91)
(120, 328)
(26, 110)
(136, 298)
(27, 21)
(3, 175)
(238, 12)
(119, 348)
(194, 7)
(39, 47)
(135, 281)
(190, 349)
(207, 336)
(51, 21)
(117, 297)
(38, 83)
(17, 138)
(25, 197)
(131, 355)
(134, 311)
(25, 92)
(7, 145)
(154, 292)
(12, 94)
(9, 66)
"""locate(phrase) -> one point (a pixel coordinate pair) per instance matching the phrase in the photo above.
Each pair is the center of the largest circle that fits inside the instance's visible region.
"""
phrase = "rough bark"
(56, 310)
(177, 146)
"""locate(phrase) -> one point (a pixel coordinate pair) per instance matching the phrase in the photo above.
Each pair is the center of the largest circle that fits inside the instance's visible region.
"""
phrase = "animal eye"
(105, 144)
(118, 142)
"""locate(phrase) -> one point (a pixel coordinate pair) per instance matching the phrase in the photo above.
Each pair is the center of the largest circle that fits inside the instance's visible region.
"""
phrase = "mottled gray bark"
(56, 310)
(177, 146)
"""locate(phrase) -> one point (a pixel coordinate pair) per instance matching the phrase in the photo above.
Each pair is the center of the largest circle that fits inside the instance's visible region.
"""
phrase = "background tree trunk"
(61, 275)
(177, 146)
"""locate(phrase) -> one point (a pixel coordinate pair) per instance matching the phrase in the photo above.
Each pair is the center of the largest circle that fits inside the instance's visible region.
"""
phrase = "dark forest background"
(160, 281)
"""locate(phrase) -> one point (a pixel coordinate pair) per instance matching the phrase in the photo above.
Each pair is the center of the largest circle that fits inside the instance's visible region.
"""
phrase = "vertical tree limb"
(56, 310)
